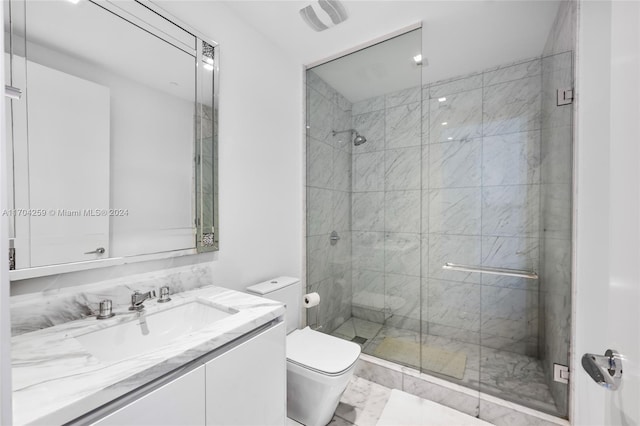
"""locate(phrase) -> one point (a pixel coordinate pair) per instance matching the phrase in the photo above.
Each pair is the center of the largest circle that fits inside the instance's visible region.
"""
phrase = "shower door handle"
(604, 370)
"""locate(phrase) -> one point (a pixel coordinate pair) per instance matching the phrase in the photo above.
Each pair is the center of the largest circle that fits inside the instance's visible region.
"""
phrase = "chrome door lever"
(99, 250)
(604, 370)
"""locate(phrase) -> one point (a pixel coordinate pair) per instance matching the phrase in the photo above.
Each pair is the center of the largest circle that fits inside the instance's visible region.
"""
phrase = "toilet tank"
(287, 290)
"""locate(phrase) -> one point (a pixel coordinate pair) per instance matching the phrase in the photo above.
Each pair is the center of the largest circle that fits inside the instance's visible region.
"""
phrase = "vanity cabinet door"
(178, 403)
(247, 385)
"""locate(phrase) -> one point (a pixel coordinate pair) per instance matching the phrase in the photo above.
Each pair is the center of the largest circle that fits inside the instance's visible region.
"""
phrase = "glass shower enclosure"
(439, 217)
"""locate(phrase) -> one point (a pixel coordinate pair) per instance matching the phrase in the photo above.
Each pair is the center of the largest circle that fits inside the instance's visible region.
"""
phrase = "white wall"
(260, 160)
(5, 321)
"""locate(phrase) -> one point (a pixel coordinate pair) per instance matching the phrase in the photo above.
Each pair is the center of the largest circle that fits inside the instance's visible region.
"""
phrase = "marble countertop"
(55, 379)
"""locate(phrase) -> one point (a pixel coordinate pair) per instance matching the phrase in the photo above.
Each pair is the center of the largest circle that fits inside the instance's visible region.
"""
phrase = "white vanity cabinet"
(179, 402)
(245, 385)
(248, 384)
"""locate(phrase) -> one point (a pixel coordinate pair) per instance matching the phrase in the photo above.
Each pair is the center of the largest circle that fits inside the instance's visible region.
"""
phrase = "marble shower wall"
(328, 203)
(454, 178)
(556, 202)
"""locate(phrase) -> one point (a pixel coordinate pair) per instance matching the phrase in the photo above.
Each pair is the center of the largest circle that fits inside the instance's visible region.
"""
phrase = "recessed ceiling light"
(74, 1)
(444, 123)
(443, 99)
(450, 138)
(208, 67)
(418, 59)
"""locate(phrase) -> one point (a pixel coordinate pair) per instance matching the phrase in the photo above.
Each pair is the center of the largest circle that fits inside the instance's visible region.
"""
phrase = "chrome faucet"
(138, 298)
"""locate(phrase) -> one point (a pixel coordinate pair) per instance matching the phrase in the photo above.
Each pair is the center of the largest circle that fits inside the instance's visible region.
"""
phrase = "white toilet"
(319, 366)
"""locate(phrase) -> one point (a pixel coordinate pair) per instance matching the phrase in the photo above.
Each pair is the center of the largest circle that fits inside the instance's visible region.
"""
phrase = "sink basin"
(147, 332)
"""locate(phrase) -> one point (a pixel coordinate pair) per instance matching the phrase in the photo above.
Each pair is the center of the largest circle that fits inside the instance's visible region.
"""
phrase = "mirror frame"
(154, 19)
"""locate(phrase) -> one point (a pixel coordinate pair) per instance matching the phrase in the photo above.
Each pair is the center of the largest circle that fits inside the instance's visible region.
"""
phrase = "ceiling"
(458, 37)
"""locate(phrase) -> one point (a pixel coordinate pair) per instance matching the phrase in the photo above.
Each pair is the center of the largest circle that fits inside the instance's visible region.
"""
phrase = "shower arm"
(334, 132)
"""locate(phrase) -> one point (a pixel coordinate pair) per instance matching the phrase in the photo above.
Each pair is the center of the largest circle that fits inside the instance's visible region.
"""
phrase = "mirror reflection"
(103, 141)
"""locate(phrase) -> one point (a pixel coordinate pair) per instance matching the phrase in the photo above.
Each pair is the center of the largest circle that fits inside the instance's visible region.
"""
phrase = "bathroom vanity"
(210, 356)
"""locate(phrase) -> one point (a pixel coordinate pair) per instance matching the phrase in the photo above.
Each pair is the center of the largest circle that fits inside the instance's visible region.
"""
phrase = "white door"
(608, 208)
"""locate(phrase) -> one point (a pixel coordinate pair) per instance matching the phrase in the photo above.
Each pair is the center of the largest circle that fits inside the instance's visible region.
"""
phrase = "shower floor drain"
(359, 340)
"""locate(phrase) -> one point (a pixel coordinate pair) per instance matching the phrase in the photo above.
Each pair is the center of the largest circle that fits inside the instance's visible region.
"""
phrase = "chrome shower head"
(358, 140)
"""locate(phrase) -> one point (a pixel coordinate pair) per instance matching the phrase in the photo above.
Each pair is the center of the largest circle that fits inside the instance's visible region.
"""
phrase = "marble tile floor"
(361, 404)
(507, 375)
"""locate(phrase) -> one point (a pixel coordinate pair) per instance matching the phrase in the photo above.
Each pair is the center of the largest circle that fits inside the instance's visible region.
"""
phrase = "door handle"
(99, 250)
(604, 370)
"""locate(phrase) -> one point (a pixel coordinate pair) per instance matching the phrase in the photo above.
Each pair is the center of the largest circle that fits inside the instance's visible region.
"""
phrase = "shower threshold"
(506, 375)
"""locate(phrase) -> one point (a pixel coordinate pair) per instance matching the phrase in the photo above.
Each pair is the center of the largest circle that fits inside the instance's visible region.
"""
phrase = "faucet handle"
(105, 310)
(164, 294)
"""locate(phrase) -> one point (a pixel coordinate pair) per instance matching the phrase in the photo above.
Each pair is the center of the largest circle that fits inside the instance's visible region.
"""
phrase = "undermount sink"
(146, 332)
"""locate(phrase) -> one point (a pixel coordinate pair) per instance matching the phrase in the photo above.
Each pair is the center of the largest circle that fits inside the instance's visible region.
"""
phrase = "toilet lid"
(321, 352)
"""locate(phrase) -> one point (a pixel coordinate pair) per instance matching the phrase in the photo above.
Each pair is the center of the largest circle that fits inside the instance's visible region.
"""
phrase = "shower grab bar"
(489, 270)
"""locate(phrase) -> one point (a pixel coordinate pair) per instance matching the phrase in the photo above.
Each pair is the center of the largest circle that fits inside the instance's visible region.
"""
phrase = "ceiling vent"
(323, 14)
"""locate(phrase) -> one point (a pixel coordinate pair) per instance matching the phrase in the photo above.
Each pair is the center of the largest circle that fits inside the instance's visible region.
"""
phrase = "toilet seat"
(320, 352)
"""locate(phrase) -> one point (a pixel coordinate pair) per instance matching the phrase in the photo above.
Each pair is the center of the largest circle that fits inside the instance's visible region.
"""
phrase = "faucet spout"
(138, 298)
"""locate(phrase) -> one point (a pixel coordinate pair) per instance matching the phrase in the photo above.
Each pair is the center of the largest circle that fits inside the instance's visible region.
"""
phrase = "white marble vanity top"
(55, 379)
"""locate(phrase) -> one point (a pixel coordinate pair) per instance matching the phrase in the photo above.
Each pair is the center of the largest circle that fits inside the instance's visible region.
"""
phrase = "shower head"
(358, 140)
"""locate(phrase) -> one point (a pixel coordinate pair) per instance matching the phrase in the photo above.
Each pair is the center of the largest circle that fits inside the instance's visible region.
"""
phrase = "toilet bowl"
(319, 366)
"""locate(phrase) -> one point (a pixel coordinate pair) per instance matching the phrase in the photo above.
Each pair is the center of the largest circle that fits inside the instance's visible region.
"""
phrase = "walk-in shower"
(454, 218)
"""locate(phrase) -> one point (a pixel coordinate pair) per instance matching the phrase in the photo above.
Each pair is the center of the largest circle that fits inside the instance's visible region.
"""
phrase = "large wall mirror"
(112, 145)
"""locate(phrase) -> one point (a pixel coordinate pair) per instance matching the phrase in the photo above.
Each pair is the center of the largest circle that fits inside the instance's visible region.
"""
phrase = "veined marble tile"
(556, 211)
(368, 211)
(513, 253)
(512, 107)
(368, 105)
(402, 169)
(402, 295)
(513, 72)
(509, 313)
(370, 125)
(319, 211)
(378, 374)
(362, 402)
(557, 267)
(456, 117)
(368, 171)
(402, 211)
(559, 61)
(368, 250)
(342, 120)
(403, 97)
(319, 164)
(343, 103)
(315, 82)
(56, 306)
(342, 163)
(511, 211)
(557, 155)
(341, 220)
(402, 254)
(455, 211)
(455, 164)
(454, 304)
(443, 395)
(318, 256)
(459, 249)
(425, 166)
(358, 327)
(455, 85)
(511, 159)
(403, 126)
(320, 116)
(426, 112)
(453, 333)
(368, 314)
(424, 211)
(368, 289)
(503, 416)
